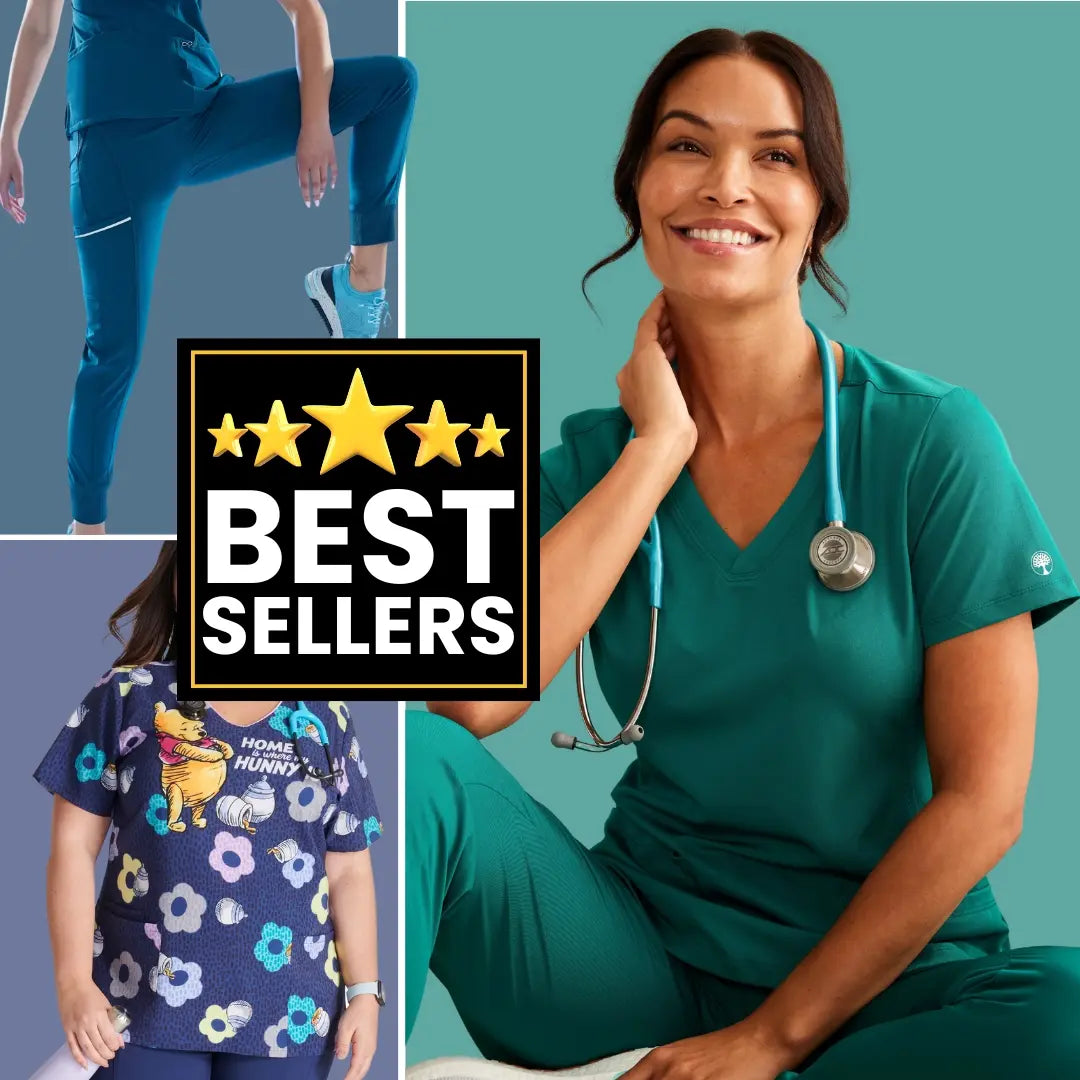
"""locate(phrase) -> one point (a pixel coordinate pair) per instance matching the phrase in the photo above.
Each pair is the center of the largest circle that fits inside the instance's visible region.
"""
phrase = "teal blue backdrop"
(960, 257)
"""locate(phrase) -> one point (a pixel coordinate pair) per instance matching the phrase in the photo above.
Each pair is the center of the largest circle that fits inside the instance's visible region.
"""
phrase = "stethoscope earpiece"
(842, 557)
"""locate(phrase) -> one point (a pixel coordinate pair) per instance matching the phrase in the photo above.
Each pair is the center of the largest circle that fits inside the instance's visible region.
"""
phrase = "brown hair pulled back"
(824, 140)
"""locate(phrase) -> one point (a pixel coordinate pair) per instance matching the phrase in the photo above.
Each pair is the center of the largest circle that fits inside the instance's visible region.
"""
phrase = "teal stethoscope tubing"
(834, 498)
(651, 545)
(299, 721)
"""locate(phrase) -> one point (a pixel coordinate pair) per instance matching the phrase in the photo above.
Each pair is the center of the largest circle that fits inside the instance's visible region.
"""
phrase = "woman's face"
(721, 155)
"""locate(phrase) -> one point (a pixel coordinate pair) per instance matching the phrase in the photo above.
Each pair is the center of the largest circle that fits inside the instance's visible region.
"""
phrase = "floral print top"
(213, 923)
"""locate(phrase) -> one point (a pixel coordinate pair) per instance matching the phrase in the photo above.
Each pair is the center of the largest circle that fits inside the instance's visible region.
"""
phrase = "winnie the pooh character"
(193, 766)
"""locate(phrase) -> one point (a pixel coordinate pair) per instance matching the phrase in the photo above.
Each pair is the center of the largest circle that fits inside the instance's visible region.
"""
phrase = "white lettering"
(504, 635)
(443, 629)
(416, 545)
(310, 535)
(222, 536)
(478, 506)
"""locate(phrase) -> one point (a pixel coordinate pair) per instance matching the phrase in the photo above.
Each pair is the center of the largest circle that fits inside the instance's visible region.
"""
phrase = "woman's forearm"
(352, 909)
(33, 47)
(582, 558)
(314, 62)
(952, 843)
(69, 885)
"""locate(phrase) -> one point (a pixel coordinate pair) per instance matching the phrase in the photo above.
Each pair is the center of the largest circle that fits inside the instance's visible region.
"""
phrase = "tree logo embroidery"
(1042, 564)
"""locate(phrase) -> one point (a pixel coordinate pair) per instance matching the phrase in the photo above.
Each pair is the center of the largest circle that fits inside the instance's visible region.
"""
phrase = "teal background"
(959, 257)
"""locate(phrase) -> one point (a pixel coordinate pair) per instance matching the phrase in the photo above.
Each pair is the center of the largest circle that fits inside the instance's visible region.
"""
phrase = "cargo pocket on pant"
(98, 199)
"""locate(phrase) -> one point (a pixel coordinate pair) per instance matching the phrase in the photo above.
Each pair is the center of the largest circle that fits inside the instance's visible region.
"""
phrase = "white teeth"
(721, 236)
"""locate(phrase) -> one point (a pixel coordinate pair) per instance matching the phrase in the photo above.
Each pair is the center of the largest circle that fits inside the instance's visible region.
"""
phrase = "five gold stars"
(227, 437)
(277, 437)
(438, 437)
(489, 437)
(357, 428)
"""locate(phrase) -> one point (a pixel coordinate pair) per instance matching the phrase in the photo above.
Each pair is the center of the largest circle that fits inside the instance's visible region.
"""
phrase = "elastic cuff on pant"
(374, 226)
(88, 505)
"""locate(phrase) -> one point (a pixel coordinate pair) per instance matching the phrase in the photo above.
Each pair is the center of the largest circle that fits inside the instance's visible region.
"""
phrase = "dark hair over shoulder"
(152, 613)
(824, 139)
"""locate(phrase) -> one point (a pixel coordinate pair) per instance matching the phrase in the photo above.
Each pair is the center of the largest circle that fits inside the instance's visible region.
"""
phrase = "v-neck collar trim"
(739, 564)
(243, 727)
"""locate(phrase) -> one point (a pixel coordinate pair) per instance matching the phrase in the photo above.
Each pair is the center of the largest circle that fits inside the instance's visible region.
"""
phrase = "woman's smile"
(721, 236)
(726, 177)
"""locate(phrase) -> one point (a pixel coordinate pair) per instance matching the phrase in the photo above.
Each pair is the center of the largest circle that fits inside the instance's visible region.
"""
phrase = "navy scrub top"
(213, 925)
(138, 59)
(785, 748)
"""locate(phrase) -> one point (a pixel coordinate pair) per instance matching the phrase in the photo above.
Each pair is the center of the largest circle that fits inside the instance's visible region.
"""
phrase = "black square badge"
(358, 516)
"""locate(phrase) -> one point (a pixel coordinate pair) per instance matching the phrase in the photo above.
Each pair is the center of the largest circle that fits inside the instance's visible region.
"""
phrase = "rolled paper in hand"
(62, 1066)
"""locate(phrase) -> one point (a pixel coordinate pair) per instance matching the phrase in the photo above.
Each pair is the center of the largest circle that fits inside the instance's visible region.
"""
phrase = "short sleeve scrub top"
(138, 59)
(213, 926)
(784, 748)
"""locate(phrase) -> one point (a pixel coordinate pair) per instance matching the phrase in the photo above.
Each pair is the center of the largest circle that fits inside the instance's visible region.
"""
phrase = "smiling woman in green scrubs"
(150, 111)
(793, 876)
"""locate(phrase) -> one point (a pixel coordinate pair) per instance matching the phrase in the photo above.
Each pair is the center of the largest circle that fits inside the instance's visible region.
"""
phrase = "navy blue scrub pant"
(142, 1063)
(124, 174)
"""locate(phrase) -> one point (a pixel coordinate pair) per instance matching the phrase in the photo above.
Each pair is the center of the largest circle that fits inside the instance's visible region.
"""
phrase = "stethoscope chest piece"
(842, 558)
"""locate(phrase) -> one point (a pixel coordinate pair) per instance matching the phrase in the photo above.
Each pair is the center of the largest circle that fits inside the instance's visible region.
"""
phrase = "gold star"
(438, 437)
(277, 437)
(489, 437)
(357, 428)
(227, 436)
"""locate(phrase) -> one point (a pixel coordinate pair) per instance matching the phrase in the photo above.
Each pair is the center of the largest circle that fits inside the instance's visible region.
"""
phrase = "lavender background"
(55, 596)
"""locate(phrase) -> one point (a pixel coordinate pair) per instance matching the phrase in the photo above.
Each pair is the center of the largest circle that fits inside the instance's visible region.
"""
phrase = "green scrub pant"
(124, 174)
(552, 961)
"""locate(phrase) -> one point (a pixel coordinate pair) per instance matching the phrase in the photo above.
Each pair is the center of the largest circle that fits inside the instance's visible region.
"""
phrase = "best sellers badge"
(358, 516)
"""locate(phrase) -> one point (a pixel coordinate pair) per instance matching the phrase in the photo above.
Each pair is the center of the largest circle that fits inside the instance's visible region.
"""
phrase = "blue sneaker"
(345, 312)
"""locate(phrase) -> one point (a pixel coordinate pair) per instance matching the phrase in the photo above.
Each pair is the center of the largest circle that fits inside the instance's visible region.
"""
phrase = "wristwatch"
(357, 989)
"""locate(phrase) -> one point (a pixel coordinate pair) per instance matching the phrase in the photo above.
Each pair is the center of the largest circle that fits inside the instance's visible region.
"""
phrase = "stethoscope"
(842, 558)
(302, 721)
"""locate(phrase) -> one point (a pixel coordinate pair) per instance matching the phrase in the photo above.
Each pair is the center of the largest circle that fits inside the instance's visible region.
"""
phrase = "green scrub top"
(138, 59)
(784, 748)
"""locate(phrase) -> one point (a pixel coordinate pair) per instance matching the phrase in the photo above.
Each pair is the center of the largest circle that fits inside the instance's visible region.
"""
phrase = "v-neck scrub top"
(138, 59)
(784, 748)
(213, 925)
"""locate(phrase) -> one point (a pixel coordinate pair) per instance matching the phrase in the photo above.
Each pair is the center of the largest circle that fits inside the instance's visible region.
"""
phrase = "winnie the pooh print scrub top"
(213, 923)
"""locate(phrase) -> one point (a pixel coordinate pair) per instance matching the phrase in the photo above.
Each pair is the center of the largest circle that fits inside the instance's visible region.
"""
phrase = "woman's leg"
(242, 1067)
(141, 1062)
(1006, 1016)
(255, 122)
(123, 175)
(546, 951)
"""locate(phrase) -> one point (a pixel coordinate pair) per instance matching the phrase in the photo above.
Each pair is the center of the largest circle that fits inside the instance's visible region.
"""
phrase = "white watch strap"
(360, 988)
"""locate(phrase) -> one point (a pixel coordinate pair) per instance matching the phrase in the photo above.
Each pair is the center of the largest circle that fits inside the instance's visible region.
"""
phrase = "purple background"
(56, 597)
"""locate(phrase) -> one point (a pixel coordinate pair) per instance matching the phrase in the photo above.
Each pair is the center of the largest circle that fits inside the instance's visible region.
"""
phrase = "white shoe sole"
(313, 286)
(466, 1068)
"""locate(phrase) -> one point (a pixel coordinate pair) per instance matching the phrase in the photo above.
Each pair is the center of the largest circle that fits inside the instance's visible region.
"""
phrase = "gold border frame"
(195, 353)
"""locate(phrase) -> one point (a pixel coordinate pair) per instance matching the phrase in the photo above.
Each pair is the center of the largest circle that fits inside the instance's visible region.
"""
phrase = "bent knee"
(408, 73)
(1052, 974)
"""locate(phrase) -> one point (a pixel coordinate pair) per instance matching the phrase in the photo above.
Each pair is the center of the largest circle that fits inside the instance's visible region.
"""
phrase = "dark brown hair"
(824, 139)
(152, 612)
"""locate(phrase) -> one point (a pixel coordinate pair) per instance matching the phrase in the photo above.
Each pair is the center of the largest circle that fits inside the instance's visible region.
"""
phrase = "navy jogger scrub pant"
(552, 959)
(141, 1063)
(124, 174)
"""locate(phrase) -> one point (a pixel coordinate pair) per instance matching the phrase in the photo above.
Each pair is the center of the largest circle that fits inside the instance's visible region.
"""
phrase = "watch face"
(380, 997)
